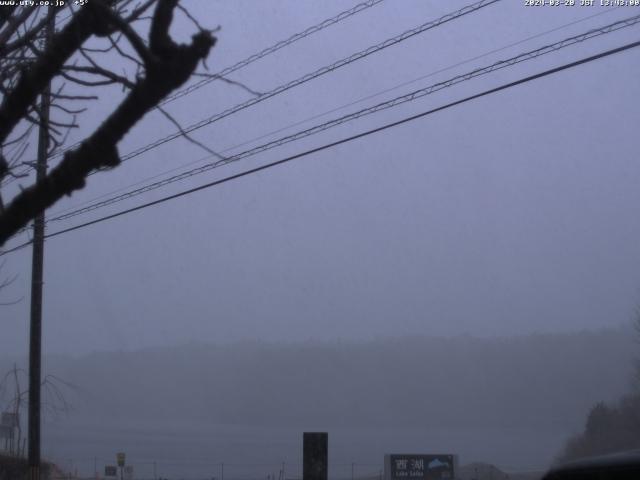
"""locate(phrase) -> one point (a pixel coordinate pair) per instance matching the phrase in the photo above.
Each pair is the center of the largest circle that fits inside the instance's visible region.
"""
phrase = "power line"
(381, 106)
(273, 48)
(333, 110)
(351, 138)
(313, 75)
(256, 56)
(409, 97)
(305, 78)
(240, 64)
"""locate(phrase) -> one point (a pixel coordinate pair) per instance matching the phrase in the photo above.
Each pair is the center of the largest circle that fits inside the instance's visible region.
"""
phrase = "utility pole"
(35, 334)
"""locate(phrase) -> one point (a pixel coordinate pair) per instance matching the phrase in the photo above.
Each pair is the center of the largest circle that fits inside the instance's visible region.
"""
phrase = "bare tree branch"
(166, 67)
(231, 82)
(189, 137)
(96, 70)
(28, 37)
(14, 23)
(34, 80)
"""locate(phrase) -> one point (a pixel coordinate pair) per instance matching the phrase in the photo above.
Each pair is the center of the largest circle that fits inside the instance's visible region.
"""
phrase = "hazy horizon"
(511, 401)
(465, 280)
(510, 214)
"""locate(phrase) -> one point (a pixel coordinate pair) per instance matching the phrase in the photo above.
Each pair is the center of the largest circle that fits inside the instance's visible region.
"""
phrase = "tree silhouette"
(157, 66)
(609, 428)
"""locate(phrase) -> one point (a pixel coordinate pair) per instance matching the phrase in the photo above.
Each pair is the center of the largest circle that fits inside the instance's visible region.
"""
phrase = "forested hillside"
(550, 379)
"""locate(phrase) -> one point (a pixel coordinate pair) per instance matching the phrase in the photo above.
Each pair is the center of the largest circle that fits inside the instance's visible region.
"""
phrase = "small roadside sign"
(110, 471)
(121, 457)
(420, 467)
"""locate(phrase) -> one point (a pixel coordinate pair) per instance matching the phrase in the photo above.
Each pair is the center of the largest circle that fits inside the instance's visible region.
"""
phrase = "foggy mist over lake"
(463, 283)
(511, 401)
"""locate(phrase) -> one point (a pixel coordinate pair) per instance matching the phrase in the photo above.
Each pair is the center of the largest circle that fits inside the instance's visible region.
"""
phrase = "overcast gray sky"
(514, 213)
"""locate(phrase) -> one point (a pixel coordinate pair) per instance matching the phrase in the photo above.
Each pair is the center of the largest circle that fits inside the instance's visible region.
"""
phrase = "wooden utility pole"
(35, 334)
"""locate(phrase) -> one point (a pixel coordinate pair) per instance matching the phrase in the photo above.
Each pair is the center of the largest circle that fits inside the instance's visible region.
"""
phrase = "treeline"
(610, 426)
(542, 381)
(608, 429)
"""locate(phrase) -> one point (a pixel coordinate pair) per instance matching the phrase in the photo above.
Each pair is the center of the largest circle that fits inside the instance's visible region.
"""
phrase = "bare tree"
(157, 65)
(5, 281)
(13, 399)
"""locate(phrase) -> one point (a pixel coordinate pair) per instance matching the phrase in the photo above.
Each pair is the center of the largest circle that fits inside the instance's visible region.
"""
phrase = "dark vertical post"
(315, 455)
(35, 333)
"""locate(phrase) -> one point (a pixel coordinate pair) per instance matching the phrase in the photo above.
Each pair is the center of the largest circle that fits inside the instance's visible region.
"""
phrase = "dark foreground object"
(616, 466)
(12, 468)
(315, 457)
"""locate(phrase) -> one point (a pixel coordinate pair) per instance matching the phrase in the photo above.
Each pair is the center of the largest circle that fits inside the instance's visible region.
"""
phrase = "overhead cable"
(351, 138)
(336, 109)
(273, 48)
(315, 74)
(256, 56)
(409, 97)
